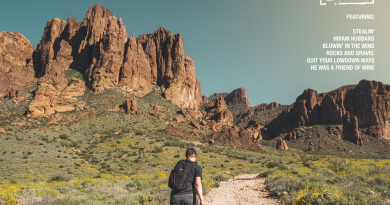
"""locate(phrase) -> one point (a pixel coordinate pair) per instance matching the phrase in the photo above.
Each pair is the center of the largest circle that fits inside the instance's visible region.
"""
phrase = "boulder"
(158, 115)
(179, 118)
(195, 125)
(281, 144)
(130, 106)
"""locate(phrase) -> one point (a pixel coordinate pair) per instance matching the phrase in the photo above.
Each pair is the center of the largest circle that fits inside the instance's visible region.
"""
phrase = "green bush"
(63, 136)
(58, 178)
(158, 149)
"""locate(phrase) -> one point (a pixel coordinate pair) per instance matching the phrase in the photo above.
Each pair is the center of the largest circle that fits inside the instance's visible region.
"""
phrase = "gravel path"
(244, 189)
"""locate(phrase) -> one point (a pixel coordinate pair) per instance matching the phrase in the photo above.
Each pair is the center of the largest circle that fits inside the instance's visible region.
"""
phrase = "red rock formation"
(190, 113)
(130, 106)
(6, 84)
(237, 137)
(198, 94)
(76, 88)
(273, 105)
(361, 108)
(106, 37)
(281, 145)
(16, 67)
(177, 131)
(179, 118)
(97, 47)
(172, 69)
(135, 74)
(307, 108)
(49, 45)
(205, 100)
(238, 96)
(217, 111)
(49, 99)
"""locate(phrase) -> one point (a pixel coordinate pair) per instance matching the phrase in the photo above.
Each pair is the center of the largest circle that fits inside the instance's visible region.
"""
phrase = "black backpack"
(178, 180)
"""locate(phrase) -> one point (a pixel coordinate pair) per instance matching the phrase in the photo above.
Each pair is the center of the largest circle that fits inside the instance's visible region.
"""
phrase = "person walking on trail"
(185, 181)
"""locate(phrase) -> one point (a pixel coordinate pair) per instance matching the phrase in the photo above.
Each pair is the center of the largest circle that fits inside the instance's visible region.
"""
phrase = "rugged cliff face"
(362, 108)
(171, 68)
(99, 48)
(16, 66)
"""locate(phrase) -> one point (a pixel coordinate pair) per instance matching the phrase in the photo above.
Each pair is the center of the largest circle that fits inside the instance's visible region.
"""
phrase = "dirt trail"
(244, 189)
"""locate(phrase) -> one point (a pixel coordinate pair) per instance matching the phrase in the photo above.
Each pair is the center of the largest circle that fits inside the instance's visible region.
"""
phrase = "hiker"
(185, 181)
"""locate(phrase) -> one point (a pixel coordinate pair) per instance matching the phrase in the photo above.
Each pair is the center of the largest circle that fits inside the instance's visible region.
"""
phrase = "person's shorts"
(183, 199)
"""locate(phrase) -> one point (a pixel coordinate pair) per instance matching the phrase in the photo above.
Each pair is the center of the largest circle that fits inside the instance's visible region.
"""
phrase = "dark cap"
(190, 151)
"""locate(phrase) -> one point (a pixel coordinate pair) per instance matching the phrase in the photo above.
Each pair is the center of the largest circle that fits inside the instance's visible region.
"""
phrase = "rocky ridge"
(359, 109)
(99, 48)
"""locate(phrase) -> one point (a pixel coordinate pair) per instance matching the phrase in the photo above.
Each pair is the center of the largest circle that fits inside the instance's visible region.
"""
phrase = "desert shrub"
(63, 136)
(64, 144)
(160, 140)
(75, 144)
(265, 173)
(338, 165)
(57, 178)
(138, 184)
(271, 165)
(158, 149)
(218, 179)
(65, 190)
(235, 156)
(144, 199)
(44, 138)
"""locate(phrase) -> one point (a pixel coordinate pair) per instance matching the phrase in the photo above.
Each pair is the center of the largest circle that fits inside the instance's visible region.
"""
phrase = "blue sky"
(260, 45)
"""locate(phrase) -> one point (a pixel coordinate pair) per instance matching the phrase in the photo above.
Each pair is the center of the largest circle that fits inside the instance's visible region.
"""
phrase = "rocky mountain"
(98, 47)
(238, 96)
(358, 109)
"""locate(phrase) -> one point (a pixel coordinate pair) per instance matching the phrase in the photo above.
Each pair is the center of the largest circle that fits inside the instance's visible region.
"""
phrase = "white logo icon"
(346, 2)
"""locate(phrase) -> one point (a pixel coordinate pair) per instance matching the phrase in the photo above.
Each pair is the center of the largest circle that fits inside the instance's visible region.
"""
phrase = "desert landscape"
(92, 116)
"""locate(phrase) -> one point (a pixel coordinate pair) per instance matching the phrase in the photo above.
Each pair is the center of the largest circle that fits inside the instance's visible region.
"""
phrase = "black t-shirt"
(196, 171)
